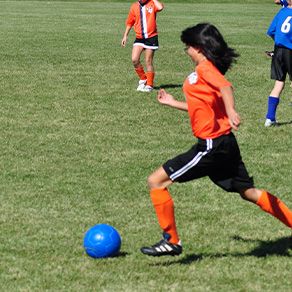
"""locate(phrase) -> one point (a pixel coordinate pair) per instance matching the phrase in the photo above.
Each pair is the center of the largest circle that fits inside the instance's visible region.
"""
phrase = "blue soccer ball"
(101, 241)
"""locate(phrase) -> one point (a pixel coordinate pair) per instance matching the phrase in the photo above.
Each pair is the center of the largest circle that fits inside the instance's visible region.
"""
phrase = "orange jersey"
(205, 104)
(143, 18)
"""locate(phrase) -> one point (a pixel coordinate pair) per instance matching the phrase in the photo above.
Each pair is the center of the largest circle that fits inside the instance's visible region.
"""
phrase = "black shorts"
(281, 64)
(219, 159)
(150, 43)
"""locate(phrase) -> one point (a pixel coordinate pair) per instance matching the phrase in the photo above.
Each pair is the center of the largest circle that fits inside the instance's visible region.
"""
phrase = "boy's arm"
(159, 6)
(228, 99)
(125, 37)
(167, 99)
(129, 24)
(272, 28)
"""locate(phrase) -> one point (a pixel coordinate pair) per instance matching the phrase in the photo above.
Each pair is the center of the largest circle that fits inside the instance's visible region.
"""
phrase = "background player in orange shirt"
(142, 16)
(210, 104)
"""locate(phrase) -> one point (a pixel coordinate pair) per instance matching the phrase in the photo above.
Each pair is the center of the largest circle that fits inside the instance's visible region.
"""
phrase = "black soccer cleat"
(163, 248)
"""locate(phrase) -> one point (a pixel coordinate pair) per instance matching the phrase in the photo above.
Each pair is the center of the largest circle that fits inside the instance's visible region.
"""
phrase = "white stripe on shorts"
(145, 46)
(193, 162)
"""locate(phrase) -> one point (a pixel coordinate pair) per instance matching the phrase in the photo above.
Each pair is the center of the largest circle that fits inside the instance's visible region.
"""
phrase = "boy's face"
(143, 1)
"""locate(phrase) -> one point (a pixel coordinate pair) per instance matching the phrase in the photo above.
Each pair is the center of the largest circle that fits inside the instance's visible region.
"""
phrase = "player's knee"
(153, 182)
(136, 62)
(150, 181)
(251, 194)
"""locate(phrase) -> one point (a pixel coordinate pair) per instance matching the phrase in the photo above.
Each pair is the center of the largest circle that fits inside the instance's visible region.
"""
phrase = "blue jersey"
(281, 28)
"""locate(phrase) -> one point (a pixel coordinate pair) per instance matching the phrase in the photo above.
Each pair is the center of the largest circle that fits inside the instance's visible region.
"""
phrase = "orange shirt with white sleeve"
(143, 18)
(205, 104)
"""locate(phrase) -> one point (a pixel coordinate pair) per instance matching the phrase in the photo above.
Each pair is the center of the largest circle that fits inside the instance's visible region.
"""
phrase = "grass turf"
(78, 143)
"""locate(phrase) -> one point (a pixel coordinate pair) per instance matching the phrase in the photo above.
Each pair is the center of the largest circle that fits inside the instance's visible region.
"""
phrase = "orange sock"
(275, 207)
(150, 78)
(140, 72)
(164, 208)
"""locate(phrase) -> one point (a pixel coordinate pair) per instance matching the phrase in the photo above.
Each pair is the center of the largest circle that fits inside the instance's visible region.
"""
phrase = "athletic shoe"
(163, 248)
(270, 123)
(269, 53)
(141, 85)
(147, 88)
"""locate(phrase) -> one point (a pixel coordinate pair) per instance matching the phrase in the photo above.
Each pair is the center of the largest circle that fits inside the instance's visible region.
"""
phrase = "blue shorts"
(219, 159)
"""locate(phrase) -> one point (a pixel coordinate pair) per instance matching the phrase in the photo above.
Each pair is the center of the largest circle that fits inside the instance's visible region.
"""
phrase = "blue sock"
(272, 108)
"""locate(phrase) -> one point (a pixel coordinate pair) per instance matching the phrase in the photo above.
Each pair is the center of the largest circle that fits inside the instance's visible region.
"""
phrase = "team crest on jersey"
(193, 78)
(149, 9)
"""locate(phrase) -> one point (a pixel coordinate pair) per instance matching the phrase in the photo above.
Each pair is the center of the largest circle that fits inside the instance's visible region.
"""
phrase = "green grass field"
(78, 142)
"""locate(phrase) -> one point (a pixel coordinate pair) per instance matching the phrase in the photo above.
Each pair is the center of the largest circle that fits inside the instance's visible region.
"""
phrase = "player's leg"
(233, 177)
(277, 89)
(273, 101)
(149, 56)
(158, 182)
(269, 203)
(289, 62)
(136, 55)
(163, 204)
(278, 73)
(150, 45)
(185, 167)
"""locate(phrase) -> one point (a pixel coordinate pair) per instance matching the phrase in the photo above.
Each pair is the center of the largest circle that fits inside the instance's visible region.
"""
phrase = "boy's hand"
(124, 41)
(234, 120)
(164, 98)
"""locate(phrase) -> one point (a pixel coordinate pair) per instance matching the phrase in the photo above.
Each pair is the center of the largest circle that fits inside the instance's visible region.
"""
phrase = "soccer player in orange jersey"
(210, 105)
(142, 16)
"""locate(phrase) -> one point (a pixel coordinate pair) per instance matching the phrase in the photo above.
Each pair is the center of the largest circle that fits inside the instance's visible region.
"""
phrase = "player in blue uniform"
(283, 3)
(280, 31)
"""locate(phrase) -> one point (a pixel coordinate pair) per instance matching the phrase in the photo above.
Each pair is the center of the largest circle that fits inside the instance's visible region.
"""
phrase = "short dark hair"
(207, 38)
(143, 2)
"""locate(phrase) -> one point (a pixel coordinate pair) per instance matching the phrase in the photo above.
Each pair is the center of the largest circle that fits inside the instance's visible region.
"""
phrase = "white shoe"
(141, 85)
(269, 123)
(147, 88)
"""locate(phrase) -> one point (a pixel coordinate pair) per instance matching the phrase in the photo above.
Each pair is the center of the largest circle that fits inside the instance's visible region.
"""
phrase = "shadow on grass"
(121, 254)
(284, 123)
(165, 86)
(279, 247)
